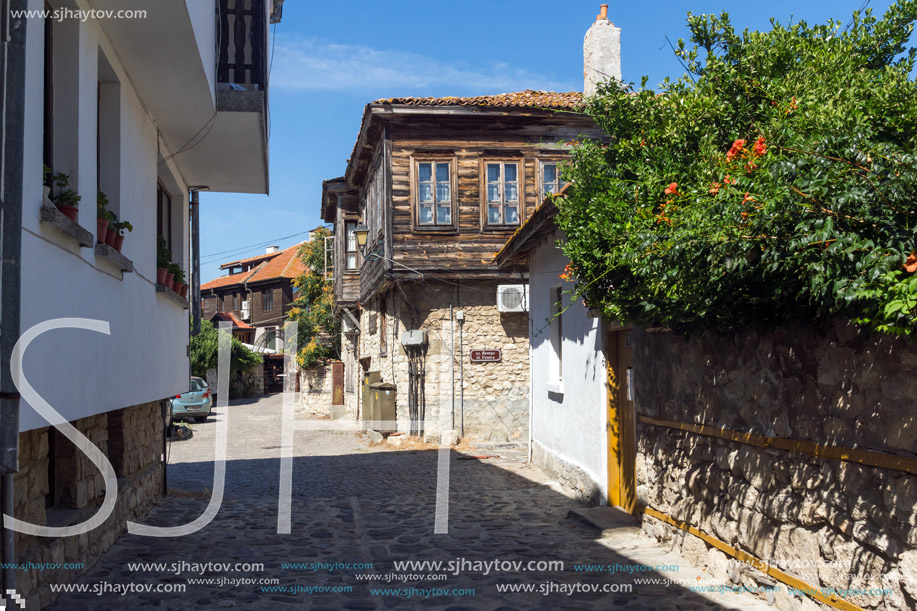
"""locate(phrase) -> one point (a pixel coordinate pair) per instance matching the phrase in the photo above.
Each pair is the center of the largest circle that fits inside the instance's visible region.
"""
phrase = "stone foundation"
(132, 440)
(571, 476)
(315, 387)
(833, 524)
(495, 394)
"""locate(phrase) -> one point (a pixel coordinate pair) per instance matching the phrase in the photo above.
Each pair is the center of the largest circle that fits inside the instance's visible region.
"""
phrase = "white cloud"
(309, 65)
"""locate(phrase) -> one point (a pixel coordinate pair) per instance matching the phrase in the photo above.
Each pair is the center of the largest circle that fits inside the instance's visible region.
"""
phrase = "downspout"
(12, 115)
(452, 361)
(195, 263)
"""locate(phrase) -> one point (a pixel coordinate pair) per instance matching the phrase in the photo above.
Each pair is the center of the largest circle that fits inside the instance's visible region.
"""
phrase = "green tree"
(319, 332)
(774, 182)
(205, 352)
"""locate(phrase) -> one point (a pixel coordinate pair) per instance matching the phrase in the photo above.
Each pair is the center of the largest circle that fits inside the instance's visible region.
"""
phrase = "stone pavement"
(356, 504)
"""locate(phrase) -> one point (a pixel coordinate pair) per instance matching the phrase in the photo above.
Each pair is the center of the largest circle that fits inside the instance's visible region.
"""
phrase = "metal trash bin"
(383, 402)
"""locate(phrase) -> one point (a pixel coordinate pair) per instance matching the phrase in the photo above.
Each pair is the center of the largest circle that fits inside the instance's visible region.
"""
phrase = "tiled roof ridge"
(530, 98)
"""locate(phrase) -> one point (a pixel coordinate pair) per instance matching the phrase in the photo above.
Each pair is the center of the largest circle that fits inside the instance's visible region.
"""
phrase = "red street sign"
(486, 356)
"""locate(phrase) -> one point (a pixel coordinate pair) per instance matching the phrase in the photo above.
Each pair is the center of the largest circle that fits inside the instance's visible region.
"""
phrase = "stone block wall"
(132, 439)
(315, 386)
(496, 398)
(837, 525)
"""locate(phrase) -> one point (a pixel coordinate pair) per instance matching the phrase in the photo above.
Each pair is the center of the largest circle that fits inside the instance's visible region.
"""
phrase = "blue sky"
(332, 58)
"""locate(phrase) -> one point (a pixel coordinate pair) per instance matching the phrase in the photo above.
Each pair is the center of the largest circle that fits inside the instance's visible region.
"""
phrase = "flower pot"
(119, 241)
(69, 211)
(101, 229)
(170, 277)
(176, 286)
(161, 275)
(184, 290)
(110, 237)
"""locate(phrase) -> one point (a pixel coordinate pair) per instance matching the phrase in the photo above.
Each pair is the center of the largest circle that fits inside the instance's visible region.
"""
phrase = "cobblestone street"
(374, 505)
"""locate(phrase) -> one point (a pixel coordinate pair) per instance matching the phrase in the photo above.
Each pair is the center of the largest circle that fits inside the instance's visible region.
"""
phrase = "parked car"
(196, 403)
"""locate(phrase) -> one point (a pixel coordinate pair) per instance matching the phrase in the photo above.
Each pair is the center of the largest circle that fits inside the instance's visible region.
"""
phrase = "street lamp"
(361, 232)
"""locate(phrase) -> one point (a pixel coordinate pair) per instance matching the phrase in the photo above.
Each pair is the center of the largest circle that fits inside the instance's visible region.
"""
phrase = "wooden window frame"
(434, 227)
(347, 252)
(542, 161)
(161, 207)
(520, 188)
(267, 297)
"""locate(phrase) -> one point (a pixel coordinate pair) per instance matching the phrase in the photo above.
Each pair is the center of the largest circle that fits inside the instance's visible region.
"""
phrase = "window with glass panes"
(502, 193)
(434, 194)
(352, 245)
(550, 179)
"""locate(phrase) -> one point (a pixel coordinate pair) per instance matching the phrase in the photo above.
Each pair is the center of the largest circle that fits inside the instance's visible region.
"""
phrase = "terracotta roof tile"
(230, 317)
(529, 98)
(286, 265)
(269, 255)
(230, 280)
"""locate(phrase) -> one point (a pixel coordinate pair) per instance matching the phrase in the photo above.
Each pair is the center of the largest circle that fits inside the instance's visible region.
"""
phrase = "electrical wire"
(208, 126)
(251, 246)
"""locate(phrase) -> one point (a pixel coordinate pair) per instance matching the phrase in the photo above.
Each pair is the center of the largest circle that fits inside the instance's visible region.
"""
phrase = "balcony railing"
(242, 39)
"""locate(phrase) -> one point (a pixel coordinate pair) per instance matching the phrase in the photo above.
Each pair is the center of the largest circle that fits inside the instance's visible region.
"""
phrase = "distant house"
(255, 296)
(120, 106)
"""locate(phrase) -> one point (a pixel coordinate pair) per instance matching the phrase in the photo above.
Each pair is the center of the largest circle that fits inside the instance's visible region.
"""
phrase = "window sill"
(555, 388)
(434, 229)
(496, 228)
(50, 215)
(104, 251)
(175, 297)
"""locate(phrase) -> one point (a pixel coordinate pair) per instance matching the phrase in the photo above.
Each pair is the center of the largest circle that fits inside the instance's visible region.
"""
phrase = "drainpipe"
(452, 361)
(12, 111)
(195, 262)
(460, 317)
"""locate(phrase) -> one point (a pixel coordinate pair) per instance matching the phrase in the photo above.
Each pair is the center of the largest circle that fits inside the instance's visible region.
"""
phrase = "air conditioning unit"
(246, 314)
(246, 305)
(513, 298)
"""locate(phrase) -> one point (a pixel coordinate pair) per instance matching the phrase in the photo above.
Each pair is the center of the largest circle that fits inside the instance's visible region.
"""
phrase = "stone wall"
(132, 439)
(495, 394)
(315, 390)
(834, 524)
(580, 484)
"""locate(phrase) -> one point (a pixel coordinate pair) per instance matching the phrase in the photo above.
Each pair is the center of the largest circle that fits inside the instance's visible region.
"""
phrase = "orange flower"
(728, 180)
(736, 148)
(751, 166)
(760, 147)
(744, 215)
(714, 188)
(911, 263)
(672, 189)
(748, 198)
(793, 106)
(567, 273)
(643, 143)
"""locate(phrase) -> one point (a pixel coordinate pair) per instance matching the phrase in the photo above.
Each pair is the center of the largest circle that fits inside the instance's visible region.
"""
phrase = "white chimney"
(601, 53)
(272, 249)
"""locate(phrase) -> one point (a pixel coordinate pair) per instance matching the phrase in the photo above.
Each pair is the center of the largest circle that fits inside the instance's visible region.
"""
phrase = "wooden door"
(337, 383)
(622, 422)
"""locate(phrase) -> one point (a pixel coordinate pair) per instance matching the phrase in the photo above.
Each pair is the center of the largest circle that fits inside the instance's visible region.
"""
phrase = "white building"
(142, 101)
(581, 406)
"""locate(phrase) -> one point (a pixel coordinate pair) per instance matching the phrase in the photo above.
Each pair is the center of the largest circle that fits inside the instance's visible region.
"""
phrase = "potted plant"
(104, 218)
(120, 227)
(163, 260)
(178, 276)
(66, 199)
(184, 290)
(110, 233)
(45, 181)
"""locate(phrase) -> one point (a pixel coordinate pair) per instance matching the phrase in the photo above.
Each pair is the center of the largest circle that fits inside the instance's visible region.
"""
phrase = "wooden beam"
(864, 457)
(815, 592)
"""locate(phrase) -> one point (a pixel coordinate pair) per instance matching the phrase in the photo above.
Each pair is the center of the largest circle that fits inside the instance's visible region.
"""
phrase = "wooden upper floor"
(442, 183)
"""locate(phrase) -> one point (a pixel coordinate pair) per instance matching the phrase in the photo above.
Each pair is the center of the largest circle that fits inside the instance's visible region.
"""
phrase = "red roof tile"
(286, 265)
(230, 280)
(230, 317)
(269, 255)
(520, 99)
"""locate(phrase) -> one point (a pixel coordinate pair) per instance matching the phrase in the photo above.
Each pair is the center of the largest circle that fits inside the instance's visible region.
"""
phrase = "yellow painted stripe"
(863, 457)
(815, 592)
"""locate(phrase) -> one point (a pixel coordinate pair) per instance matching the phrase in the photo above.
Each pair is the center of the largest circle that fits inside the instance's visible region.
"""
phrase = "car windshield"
(195, 386)
(202, 382)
